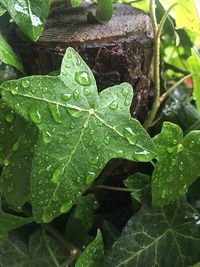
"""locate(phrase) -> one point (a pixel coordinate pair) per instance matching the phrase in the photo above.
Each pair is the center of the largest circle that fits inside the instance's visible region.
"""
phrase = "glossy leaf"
(9, 222)
(93, 254)
(30, 15)
(194, 66)
(17, 140)
(8, 56)
(172, 176)
(42, 250)
(76, 3)
(77, 125)
(157, 237)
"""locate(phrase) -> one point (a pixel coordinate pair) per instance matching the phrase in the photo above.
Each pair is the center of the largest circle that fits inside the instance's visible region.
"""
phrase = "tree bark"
(119, 51)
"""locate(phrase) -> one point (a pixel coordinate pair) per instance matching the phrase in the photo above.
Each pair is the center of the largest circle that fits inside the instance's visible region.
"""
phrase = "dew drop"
(130, 135)
(120, 153)
(181, 166)
(9, 117)
(90, 177)
(86, 92)
(60, 140)
(48, 168)
(86, 124)
(15, 147)
(76, 95)
(54, 110)
(76, 113)
(34, 114)
(163, 195)
(106, 140)
(47, 217)
(14, 91)
(66, 207)
(180, 148)
(25, 83)
(82, 77)
(6, 162)
(72, 126)
(66, 97)
(57, 174)
(94, 161)
(46, 136)
(113, 105)
(181, 177)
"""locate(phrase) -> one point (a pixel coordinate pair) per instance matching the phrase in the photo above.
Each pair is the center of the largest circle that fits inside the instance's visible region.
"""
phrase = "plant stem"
(156, 60)
(173, 87)
(114, 188)
(74, 252)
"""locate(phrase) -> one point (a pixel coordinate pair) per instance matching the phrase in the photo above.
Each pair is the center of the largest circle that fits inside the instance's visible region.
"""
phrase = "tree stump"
(119, 51)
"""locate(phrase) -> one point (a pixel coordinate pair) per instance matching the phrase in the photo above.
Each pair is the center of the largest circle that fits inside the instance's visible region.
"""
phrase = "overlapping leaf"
(93, 254)
(8, 56)
(42, 250)
(9, 222)
(158, 237)
(178, 163)
(80, 131)
(17, 140)
(30, 15)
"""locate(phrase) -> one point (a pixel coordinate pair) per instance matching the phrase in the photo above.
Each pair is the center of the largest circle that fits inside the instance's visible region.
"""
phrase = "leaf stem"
(173, 87)
(74, 252)
(114, 188)
(156, 60)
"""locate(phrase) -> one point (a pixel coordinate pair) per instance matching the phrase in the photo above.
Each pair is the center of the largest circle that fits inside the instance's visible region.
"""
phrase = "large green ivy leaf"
(42, 250)
(9, 222)
(30, 15)
(80, 131)
(93, 254)
(178, 163)
(158, 237)
(194, 65)
(17, 140)
(8, 56)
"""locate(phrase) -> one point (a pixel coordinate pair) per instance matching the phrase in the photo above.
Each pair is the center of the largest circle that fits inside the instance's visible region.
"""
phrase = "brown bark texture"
(118, 51)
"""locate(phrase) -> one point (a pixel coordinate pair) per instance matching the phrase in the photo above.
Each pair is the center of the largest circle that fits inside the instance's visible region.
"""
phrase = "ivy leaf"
(194, 65)
(8, 56)
(93, 254)
(76, 3)
(30, 15)
(17, 140)
(151, 233)
(42, 250)
(171, 176)
(9, 222)
(137, 182)
(80, 131)
(84, 210)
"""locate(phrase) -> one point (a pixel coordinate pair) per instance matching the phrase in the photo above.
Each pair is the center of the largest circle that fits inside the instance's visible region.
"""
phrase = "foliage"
(60, 138)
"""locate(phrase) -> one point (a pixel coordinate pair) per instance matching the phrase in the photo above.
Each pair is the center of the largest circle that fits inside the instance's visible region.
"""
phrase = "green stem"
(114, 188)
(171, 89)
(104, 12)
(156, 60)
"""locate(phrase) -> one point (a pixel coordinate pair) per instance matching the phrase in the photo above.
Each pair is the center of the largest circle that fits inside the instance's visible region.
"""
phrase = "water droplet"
(6, 162)
(9, 117)
(60, 140)
(57, 174)
(48, 168)
(14, 91)
(55, 112)
(15, 147)
(66, 207)
(86, 124)
(94, 161)
(181, 166)
(76, 113)
(130, 135)
(120, 154)
(180, 148)
(76, 95)
(90, 177)
(25, 83)
(86, 92)
(82, 77)
(170, 150)
(92, 132)
(106, 140)
(34, 114)
(113, 105)
(181, 177)
(46, 136)
(163, 195)
(47, 217)
(66, 97)
(72, 126)
(175, 142)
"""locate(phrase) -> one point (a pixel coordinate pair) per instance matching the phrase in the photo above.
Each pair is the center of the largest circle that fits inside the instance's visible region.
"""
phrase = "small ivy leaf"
(10, 222)
(80, 131)
(194, 66)
(29, 15)
(153, 231)
(93, 254)
(17, 140)
(171, 176)
(8, 56)
(84, 210)
(42, 250)
(137, 182)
